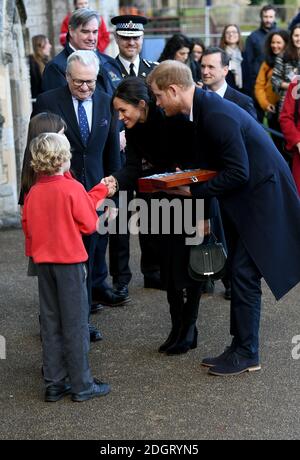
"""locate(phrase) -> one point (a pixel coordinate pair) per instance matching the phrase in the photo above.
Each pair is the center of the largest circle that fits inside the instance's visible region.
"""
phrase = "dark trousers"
(99, 266)
(119, 250)
(64, 311)
(95, 246)
(246, 300)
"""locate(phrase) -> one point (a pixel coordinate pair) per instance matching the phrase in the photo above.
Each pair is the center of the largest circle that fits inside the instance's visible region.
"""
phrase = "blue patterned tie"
(83, 123)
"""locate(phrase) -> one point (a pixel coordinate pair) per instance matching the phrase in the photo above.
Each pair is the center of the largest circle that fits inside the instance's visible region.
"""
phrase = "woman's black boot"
(188, 332)
(175, 299)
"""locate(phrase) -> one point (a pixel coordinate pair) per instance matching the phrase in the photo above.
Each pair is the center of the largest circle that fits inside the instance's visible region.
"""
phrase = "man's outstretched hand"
(111, 183)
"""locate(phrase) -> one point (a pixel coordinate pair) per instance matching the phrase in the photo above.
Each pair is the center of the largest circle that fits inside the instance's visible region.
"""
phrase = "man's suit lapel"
(67, 107)
(99, 116)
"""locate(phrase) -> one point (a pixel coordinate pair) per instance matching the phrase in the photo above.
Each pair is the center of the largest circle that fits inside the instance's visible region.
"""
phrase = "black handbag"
(207, 260)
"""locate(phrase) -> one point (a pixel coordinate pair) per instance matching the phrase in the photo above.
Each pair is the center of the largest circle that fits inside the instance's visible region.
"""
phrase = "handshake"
(112, 185)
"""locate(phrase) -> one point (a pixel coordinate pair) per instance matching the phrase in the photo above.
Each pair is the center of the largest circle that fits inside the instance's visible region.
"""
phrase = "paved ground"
(153, 396)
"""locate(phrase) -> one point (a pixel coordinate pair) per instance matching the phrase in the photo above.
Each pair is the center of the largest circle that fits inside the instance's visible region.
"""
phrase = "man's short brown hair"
(171, 72)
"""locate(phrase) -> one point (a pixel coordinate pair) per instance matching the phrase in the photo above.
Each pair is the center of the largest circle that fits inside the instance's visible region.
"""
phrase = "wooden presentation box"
(160, 182)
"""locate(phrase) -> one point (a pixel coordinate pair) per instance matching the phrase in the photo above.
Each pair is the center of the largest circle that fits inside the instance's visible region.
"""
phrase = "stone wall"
(15, 105)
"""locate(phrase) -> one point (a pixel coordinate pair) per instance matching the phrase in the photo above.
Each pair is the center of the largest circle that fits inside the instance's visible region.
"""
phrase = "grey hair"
(81, 17)
(85, 58)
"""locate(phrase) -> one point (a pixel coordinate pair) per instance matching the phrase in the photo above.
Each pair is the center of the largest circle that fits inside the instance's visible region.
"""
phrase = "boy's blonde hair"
(49, 151)
(171, 72)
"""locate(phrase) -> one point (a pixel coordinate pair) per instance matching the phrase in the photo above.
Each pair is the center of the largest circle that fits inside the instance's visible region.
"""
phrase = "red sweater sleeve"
(103, 36)
(290, 131)
(97, 194)
(64, 30)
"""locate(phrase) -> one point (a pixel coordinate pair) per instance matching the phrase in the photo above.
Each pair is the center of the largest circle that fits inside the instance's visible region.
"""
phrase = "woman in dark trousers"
(152, 137)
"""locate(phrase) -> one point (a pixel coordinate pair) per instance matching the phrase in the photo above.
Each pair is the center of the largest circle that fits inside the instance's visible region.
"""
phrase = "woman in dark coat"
(37, 61)
(151, 141)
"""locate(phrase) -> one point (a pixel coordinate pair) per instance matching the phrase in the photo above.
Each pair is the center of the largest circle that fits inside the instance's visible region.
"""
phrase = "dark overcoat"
(156, 143)
(254, 186)
(242, 100)
(101, 156)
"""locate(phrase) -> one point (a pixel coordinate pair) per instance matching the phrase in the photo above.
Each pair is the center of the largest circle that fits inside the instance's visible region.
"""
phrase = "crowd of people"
(99, 123)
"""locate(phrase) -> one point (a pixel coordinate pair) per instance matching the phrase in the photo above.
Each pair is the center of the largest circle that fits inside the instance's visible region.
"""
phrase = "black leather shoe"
(110, 297)
(95, 334)
(98, 389)
(153, 281)
(96, 307)
(56, 392)
(122, 290)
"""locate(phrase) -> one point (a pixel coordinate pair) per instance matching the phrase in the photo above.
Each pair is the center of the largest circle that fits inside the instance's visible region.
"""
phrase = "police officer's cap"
(129, 25)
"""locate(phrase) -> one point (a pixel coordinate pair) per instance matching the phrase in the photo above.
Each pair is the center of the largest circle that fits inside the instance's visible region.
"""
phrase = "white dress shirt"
(221, 91)
(126, 64)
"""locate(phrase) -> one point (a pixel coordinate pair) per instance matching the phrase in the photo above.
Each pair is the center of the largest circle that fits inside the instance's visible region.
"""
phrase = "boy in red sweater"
(57, 212)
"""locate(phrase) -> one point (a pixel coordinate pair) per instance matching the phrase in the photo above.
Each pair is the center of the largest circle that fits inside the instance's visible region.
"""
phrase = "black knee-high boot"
(176, 302)
(188, 333)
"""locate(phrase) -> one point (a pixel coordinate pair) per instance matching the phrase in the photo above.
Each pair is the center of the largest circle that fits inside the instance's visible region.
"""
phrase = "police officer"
(129, 35)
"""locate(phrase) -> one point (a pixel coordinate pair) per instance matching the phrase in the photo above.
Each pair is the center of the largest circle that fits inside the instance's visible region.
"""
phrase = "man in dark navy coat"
(100, 154)
(82, 35)
(215, 65)
(257, 194)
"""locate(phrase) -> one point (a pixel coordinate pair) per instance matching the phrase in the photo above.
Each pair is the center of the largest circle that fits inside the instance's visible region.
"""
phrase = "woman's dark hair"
(269, 55)
(197, 41)
(132, 90)
(175, 43)
(291, 52)
(45, 122)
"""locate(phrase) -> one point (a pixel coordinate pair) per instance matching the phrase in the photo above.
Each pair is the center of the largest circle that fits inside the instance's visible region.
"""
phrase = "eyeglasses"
(79, 83)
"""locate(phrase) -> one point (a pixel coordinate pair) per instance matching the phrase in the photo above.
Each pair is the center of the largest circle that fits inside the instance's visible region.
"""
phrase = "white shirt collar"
(221, 91)
(126, 64)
